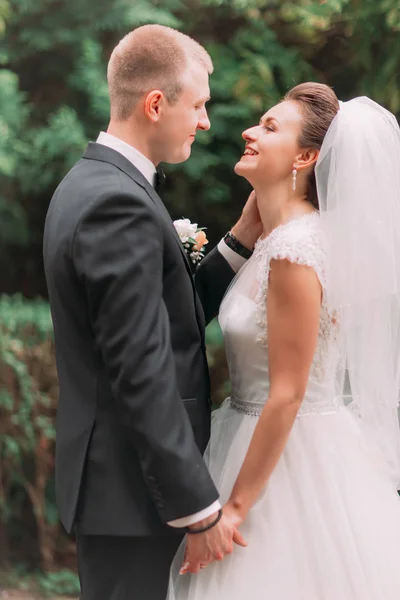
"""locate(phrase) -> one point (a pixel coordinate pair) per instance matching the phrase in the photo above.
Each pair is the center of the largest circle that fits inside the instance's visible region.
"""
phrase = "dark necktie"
(159, 179)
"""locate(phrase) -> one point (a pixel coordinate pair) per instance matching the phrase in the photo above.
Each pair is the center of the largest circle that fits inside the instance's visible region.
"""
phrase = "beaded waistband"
(254, 409)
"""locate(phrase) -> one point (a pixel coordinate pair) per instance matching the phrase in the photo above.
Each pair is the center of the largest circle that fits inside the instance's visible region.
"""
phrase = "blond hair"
(150, 57)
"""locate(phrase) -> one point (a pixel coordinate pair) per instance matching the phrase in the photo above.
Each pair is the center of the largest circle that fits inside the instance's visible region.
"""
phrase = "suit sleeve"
(212, 279)
(118, 255)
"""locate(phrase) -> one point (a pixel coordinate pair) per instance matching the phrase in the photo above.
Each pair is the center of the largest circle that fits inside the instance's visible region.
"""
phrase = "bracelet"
(207, 527)
(234, 244)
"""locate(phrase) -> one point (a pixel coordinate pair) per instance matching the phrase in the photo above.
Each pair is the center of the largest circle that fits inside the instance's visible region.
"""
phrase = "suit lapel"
(102, 153)
(161, 207)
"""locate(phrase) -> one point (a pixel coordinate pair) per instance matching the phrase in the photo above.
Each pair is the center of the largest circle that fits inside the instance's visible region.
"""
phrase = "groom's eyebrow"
(207, 99)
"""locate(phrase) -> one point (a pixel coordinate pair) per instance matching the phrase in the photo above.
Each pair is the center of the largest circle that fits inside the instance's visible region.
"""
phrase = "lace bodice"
(243, 319)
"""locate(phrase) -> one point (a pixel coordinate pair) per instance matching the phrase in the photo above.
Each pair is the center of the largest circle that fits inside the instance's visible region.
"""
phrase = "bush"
(29, 526)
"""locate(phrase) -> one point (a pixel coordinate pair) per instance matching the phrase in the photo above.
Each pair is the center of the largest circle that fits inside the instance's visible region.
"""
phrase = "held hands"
(249, 227)
(215, 544)
(233, 515)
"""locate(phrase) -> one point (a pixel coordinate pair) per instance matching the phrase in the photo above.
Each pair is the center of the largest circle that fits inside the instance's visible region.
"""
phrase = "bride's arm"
(294, 299)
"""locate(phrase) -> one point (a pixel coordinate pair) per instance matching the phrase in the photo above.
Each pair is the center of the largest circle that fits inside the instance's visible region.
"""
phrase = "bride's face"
(272, 146)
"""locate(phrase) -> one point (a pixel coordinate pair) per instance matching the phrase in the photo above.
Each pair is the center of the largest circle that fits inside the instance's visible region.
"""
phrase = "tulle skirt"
(326, 527)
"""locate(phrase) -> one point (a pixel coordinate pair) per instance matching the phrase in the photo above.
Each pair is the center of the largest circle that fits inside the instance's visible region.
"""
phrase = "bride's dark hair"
(319, 105)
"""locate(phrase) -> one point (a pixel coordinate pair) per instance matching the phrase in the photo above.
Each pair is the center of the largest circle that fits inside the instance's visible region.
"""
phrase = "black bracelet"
(207, 527)
(236, 246)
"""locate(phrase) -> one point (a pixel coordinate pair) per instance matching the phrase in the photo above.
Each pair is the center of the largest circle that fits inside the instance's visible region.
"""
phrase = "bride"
(305, 452)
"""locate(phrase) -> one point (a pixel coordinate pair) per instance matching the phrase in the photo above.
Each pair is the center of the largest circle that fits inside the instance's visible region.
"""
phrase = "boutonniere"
(193, 239)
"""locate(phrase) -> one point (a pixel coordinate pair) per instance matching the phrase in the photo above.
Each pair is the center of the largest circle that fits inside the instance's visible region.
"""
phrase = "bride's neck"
(277, 206)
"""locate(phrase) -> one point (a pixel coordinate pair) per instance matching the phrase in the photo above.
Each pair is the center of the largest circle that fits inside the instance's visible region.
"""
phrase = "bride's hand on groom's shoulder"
(249, 227)
(215, 544)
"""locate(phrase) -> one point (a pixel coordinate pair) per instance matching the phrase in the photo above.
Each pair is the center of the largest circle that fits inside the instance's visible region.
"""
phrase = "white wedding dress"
(327, 525)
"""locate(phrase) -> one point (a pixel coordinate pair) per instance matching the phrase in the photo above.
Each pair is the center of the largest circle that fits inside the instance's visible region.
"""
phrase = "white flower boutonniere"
(193, 239)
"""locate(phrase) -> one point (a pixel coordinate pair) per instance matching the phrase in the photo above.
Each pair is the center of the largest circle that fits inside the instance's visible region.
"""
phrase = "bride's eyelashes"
(267, 127)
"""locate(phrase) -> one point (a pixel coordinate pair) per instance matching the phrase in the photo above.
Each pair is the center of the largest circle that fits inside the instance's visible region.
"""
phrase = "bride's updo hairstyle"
(318, 105)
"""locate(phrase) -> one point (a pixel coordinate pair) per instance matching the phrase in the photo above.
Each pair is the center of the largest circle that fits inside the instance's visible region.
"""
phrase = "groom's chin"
(181, 156)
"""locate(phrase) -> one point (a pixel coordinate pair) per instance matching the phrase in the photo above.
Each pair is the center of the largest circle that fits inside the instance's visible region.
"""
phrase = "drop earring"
(294, 173)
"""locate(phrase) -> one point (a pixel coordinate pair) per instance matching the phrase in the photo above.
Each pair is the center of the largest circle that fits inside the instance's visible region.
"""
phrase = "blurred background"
(53, 99)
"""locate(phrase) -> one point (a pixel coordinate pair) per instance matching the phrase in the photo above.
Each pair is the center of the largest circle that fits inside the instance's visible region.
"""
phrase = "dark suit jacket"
(134, 406)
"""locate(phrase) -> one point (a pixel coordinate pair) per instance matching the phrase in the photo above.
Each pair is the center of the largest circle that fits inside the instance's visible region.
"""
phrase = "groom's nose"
(204, 122)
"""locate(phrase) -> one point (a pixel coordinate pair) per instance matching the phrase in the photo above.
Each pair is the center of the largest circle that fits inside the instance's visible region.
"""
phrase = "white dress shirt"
(139, 160)
(147, 168)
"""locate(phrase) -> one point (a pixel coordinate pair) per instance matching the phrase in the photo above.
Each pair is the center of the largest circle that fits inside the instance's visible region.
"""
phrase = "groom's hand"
(214, 544)
(249, 227)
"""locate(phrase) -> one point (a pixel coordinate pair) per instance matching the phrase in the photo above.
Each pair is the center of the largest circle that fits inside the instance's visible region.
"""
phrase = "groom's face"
(182, 120)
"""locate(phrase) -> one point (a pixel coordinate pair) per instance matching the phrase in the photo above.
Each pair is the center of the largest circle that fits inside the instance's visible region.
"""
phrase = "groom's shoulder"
(95, 174)
(90, 182)
(94, 192)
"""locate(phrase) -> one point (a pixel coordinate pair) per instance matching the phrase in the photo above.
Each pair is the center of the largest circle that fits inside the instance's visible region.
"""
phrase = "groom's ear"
(153, 105)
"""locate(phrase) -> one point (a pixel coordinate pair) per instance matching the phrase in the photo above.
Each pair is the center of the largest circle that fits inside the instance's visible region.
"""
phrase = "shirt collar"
(141, 162)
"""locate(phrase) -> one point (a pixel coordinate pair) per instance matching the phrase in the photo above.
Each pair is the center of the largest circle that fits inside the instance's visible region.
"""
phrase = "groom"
(134, 407)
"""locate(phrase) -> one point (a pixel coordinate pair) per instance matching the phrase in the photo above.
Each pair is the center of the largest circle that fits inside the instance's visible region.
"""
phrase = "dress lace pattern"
(299, 241)
(243, 318)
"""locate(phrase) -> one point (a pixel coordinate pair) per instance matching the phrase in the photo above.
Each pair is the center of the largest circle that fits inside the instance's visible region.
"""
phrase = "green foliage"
(49, 585)
(13, 118)
(217, 362)
(63, 582)
(214, 334)
(19, 317)
(28, 393)
(59, 144)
